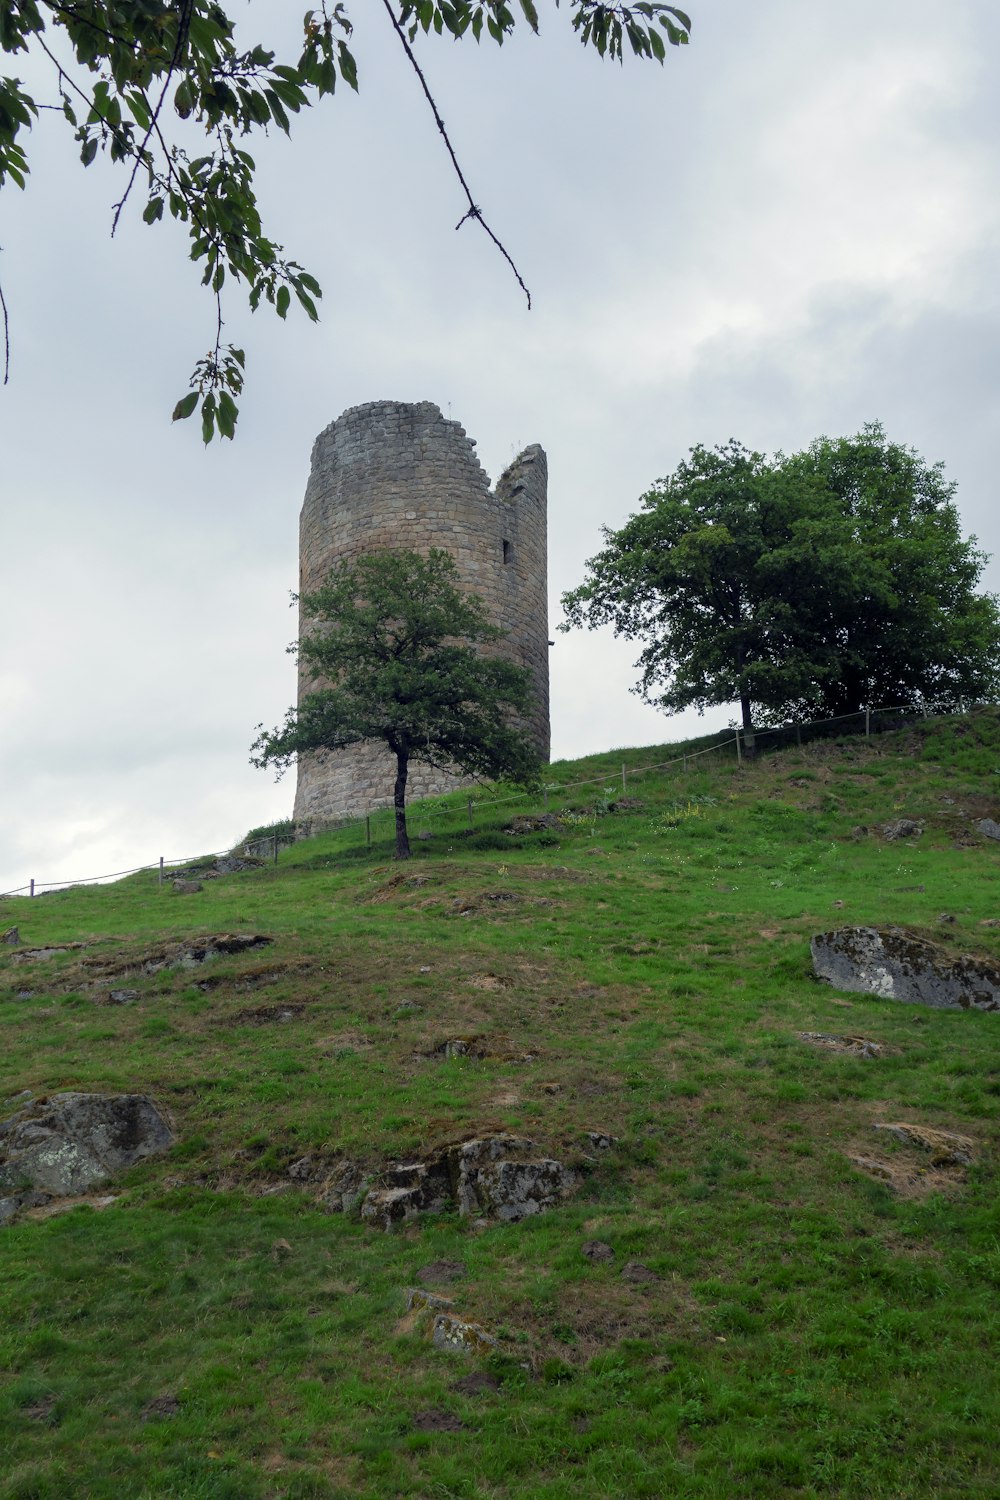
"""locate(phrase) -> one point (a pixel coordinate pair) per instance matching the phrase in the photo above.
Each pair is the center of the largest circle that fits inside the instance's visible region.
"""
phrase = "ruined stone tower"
(390, 474)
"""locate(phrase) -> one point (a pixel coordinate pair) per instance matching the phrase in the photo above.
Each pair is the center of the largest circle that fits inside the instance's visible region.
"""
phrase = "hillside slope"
(726, 1303)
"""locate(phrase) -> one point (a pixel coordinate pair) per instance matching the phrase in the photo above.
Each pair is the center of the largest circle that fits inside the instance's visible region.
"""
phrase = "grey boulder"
(889, 962)
(69, 1143)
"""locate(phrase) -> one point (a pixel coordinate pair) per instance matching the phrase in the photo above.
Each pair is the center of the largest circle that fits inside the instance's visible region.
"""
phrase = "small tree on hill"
(801, 587)
(396, 642)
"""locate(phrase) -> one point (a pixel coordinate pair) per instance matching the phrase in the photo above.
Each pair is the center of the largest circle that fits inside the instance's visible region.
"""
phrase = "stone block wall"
(393, 474)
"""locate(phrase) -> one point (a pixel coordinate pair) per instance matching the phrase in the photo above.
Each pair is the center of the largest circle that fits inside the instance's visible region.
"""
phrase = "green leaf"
(227, 415)
(208, 419)
(89, 151)
(185, 406)
(281, 302)
(153, 211)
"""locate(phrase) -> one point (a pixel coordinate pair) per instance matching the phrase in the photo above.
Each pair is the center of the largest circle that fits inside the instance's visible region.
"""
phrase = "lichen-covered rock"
(513, 1190)
(891, 963)
(902, 828)
(988, 826)
(187, 887)
(69, 1143)
(407, 1189)
(454, 1336)
(344, 1189)
(11, 936)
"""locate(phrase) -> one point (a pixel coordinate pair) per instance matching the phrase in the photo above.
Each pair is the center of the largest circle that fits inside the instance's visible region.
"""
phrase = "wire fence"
(732, 743)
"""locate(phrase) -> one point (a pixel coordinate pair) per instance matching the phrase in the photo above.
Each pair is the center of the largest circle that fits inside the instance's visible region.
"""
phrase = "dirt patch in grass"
(343, 1042)
(490, 982)
(252, 978)
(402, 884)
(923, 1160)
(263, 1015)
(437, 1420)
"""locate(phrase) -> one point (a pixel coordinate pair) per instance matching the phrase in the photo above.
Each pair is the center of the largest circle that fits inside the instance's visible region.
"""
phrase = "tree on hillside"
(800, 587)
(128, 74)
(394, 644)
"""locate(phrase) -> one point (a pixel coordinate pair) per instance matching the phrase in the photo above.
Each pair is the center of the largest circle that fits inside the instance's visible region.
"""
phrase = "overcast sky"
(791, 228)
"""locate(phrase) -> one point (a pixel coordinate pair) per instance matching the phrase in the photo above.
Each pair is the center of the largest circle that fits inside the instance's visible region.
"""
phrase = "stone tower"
(391, 474)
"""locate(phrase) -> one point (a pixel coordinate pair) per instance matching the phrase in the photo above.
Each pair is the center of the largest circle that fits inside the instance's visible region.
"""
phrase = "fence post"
(469, 804)
(868, 721)
(160, 880)
(275, 848)
(739, 752)
(32, 890)
(368, 826)
(545, 796)
(623, 779)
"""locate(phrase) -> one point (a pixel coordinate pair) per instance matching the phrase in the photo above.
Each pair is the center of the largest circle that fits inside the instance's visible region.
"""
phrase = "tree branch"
(473, 212)
(6, 338)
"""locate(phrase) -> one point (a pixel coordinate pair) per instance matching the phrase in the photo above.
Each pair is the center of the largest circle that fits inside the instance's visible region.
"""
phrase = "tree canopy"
(396, 647)
(802, 587)
(167, 89)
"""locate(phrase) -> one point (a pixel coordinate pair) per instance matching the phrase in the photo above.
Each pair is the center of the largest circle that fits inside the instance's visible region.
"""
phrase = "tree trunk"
(399, 799)
(749, 742)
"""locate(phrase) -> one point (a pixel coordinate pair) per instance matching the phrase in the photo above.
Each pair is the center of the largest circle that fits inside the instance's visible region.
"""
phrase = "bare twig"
(6, 338)
(183, 25)
(473, 211)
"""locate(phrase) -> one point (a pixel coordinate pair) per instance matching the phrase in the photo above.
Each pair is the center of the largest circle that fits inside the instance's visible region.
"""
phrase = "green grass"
(810, 1332)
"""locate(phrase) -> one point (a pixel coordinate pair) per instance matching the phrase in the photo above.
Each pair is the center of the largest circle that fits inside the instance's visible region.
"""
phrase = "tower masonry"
(391, 474)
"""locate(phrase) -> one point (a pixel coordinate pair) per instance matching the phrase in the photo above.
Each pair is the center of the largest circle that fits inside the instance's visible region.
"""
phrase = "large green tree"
(396, 648)
(804, 586)
(145, 80)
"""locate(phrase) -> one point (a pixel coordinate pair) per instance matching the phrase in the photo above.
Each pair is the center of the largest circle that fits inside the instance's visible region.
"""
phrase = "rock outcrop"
(70, 1143)
(497, 1177)
(897, 966)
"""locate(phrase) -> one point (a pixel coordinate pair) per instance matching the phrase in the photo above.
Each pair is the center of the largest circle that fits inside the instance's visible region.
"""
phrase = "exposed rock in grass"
(417, 1300)
(600, 1140)
(891, 963)
(492, 1178)
(11, 936)
(534, 823)
(407, 1190)
(264, 1015)
(902, 828)
(187, 887)
(856, 1046)
(13, 1204)
(495, 1049)
(122, 997)
(68, 1143)
(34, 955)
(344, 1189)
(53, 1206)
(987, 826)
(946, 1147)
(453, 1336)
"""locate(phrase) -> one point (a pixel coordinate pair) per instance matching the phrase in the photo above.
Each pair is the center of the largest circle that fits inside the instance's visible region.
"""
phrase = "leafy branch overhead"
(169, 93)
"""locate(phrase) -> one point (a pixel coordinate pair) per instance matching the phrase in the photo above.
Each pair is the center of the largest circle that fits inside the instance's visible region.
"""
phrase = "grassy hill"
(798, 1325)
